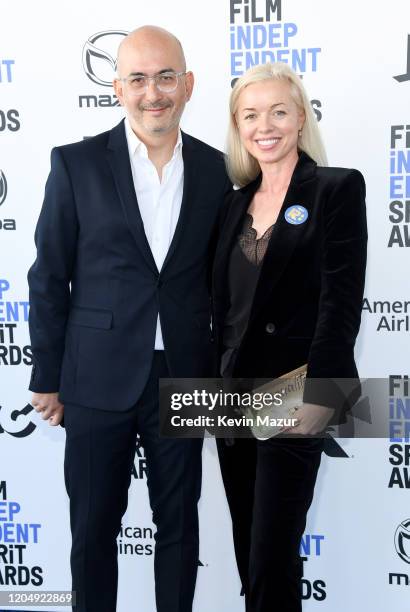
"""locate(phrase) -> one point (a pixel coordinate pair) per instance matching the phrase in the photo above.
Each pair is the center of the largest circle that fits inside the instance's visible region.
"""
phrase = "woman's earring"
(300, 133)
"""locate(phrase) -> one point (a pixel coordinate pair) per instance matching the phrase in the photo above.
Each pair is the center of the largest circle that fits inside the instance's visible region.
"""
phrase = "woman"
(288, 285)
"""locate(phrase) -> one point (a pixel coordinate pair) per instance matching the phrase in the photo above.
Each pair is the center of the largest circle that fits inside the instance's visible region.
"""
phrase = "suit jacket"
(95, 291)
(308, 300)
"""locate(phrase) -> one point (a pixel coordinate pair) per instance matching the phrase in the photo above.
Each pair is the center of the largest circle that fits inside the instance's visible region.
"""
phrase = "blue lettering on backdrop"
(310, 544)
(12, 531)
(11, 311)
(258, 43)
(15, 540)
(399, 410)
(399, 185)
(6, 73)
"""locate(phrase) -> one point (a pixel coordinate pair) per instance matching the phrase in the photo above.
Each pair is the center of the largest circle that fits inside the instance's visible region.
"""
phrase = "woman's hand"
(312, 419)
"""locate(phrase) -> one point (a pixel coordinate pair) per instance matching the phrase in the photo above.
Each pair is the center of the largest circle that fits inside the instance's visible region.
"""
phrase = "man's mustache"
(155, 105)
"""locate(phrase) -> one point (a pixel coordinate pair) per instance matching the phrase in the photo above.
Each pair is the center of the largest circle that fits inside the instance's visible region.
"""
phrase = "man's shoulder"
(202, 147)
(211, 160)
(88, 145)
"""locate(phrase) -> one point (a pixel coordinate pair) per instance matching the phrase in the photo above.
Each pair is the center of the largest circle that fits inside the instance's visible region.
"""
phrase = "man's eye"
(166, 78)
(137, 80)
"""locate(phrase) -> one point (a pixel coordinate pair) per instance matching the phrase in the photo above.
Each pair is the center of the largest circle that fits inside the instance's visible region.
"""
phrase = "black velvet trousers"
(269, 486)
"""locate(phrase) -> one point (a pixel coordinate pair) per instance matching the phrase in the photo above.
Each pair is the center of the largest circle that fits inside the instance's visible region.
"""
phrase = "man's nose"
(152, 92)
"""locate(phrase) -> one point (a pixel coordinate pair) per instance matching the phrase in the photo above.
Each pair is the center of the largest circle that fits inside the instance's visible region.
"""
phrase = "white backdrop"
(352, 51)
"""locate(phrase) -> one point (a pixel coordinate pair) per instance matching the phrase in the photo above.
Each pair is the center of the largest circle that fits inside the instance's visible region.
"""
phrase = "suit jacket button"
(270, 328)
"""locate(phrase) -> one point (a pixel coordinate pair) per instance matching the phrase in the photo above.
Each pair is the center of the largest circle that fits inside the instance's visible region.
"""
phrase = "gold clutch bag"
(268, 420)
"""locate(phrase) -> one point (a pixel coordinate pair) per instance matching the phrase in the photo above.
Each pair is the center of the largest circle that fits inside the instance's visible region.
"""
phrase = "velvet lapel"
(189, 155)
(286, 236)
(119, 161)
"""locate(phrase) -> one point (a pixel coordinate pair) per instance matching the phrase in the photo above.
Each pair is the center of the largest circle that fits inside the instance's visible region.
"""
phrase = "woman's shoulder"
(337, 175)
(343, 195)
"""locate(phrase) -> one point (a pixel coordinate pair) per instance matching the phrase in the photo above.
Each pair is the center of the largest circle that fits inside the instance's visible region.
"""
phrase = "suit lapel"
(119, 161)
(286, 236)
(189, 156)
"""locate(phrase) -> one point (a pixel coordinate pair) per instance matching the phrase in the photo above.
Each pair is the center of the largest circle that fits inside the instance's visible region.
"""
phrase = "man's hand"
(312, 419)
(49, 407)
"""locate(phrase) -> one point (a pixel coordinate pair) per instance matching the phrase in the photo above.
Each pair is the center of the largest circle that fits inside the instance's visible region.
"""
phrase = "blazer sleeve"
(49, 277)
(343, 269)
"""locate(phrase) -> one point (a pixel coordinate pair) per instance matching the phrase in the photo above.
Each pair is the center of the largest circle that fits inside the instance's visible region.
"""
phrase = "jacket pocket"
(90, 317)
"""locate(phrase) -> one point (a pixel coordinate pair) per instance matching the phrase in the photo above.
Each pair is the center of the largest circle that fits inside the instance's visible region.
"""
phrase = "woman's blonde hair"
(242, 166)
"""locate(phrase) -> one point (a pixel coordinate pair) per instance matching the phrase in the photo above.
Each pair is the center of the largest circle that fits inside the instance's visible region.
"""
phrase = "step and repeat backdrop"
(56, 67)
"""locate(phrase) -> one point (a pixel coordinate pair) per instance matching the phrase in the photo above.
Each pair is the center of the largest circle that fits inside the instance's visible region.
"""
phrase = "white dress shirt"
(159, 201)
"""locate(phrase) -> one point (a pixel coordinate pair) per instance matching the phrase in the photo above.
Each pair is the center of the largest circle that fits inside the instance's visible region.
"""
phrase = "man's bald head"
(148, 38)
(153, 113)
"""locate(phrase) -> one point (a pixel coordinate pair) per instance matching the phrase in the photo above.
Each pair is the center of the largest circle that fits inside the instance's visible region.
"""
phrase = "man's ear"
(119, 90)
(189, 84)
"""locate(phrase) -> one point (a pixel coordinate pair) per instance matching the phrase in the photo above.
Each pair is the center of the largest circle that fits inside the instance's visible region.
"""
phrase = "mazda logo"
(402, 540)
(100, 56)
(3, 187)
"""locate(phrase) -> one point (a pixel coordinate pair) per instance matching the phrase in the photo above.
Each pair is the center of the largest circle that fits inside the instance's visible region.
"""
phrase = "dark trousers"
(99, 456)
(269, 486)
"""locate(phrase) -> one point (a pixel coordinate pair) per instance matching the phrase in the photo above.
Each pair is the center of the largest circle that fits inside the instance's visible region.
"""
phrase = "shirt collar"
(137, 147)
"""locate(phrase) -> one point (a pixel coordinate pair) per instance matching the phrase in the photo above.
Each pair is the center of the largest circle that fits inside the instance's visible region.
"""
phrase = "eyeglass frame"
(153, 77)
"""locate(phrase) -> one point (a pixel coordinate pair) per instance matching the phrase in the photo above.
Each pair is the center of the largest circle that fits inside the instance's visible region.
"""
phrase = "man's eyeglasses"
(166, 82)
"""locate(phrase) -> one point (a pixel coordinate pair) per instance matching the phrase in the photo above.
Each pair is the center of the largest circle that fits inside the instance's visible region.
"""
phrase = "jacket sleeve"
(49, 277)
(343, 269)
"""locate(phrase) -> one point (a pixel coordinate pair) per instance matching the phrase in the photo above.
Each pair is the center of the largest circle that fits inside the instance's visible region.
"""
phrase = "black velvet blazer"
(307, 304)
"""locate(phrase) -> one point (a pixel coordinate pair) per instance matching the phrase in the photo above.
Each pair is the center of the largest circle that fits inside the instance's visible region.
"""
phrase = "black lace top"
(243, 273)
(252, 247)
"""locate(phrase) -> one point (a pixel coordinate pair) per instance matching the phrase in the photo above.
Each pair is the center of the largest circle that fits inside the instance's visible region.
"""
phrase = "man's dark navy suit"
(95, 294)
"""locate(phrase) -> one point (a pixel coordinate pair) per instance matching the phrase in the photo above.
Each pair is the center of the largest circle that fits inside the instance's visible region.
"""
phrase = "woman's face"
(269, 121)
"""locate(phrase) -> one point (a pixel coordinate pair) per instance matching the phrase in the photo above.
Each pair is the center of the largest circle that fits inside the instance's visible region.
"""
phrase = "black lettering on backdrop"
(9, 120)
(254, 11)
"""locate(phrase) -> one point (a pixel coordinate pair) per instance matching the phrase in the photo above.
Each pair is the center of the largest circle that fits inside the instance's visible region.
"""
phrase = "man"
(119, 298)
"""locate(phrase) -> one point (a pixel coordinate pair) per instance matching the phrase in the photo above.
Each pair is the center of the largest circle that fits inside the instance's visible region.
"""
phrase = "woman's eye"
(251, 116)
